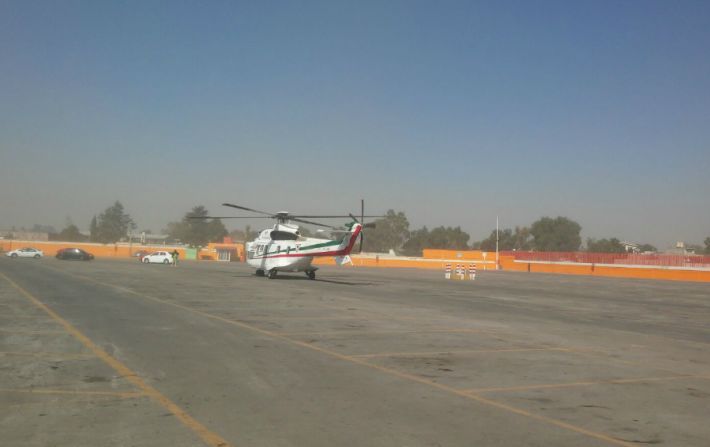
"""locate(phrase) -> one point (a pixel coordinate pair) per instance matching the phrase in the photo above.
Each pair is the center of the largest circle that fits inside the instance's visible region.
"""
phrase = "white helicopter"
(283, 249)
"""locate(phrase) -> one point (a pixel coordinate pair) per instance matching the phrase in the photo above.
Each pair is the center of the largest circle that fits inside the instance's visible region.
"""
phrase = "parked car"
(27, 252)
(74, 253)
(159, 257)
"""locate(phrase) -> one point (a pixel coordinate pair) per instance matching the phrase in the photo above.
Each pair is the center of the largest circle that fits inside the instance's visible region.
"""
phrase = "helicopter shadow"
(329, 281)
(299, 278)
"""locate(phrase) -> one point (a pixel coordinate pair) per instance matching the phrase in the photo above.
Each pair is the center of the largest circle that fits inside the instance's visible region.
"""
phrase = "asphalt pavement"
(118, 353)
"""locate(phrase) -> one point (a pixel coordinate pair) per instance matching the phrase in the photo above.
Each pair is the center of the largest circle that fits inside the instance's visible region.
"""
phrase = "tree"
(707, 245)
(417, 242)
(448, 238)
(645, 248)
(558, 234)
(250, 234)
(390, 233)
(247, 234)
(93, 229)
(112, 225)
(440, 237)
(694, 248)
(508, 240)
(196, 229)
(612, 245)
(70, 234)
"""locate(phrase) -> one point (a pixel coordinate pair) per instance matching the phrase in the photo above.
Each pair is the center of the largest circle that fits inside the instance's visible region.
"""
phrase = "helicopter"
(282, 248)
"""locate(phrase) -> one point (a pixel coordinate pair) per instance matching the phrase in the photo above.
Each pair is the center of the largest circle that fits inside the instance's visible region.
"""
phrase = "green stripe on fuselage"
(301, 249)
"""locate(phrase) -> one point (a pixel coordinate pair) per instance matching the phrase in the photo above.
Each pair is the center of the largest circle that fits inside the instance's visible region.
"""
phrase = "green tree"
(448, 238)
(390, 233)
(113, 224)
(417, 242)
(707, 245)
(196, 229)
(558, 234)
(70, 234)
(612, 245)
(249, 233)
(645, 248)
(508, 239)
(440, 237)
(93, 229)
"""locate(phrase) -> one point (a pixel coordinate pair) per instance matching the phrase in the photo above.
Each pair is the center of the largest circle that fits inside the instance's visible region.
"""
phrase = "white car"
(27, 252)
(158, 257)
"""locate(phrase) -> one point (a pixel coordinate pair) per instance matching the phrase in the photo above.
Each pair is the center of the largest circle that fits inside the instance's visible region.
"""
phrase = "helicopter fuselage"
(283, 249)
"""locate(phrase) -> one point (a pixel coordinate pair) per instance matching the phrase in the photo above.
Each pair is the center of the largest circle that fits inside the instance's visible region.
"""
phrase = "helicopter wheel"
(311, 274)
(272, 273)
(259, 272)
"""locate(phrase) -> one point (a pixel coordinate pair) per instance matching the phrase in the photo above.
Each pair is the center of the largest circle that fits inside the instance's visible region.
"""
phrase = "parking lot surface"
(118, 353)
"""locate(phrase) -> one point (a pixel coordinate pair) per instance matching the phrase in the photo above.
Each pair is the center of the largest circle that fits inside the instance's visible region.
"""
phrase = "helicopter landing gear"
(311, 274)
(259, 272)
(272, 273)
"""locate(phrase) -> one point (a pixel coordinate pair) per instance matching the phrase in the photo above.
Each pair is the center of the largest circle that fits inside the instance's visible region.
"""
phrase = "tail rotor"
(362, 222)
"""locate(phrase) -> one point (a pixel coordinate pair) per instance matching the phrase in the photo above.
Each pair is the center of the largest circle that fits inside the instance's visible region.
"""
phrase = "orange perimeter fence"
(650, 259)
(431, 260)
(124, 250)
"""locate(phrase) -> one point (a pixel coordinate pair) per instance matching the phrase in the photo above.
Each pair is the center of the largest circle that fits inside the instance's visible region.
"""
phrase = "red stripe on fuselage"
(344, 252)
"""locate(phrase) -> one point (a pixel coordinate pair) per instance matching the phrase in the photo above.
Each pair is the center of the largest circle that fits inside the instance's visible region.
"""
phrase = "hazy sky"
(453, 112)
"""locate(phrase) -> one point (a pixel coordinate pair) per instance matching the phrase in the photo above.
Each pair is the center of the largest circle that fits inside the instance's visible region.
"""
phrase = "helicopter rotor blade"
(239, 207)
(330, 216)
(311, 222)
(228, 217)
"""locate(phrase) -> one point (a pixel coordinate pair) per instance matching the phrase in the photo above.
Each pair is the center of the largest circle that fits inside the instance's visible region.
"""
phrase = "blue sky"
(453, 112)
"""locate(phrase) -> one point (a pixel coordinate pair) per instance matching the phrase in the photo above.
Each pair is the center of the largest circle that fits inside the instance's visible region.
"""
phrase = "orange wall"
(508, 263)
(98, 250)
(619, 272)
(401, 263)
(474, 255)
(115, 250)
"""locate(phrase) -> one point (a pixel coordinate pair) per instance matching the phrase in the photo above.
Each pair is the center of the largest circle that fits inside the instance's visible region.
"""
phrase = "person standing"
(175, 255)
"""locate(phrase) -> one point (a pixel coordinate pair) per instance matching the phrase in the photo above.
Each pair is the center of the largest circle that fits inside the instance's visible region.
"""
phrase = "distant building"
(22, 235)
(681, 248)
(148, 239)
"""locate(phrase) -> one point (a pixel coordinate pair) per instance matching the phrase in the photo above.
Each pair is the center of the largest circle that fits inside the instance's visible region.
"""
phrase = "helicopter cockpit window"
(283, 236)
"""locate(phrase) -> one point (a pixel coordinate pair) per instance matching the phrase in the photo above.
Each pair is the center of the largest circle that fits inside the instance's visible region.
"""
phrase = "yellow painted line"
(122, 395)
(469, 351)
(412, 378)
(203, 432)
(61, 355)
(576, 384)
